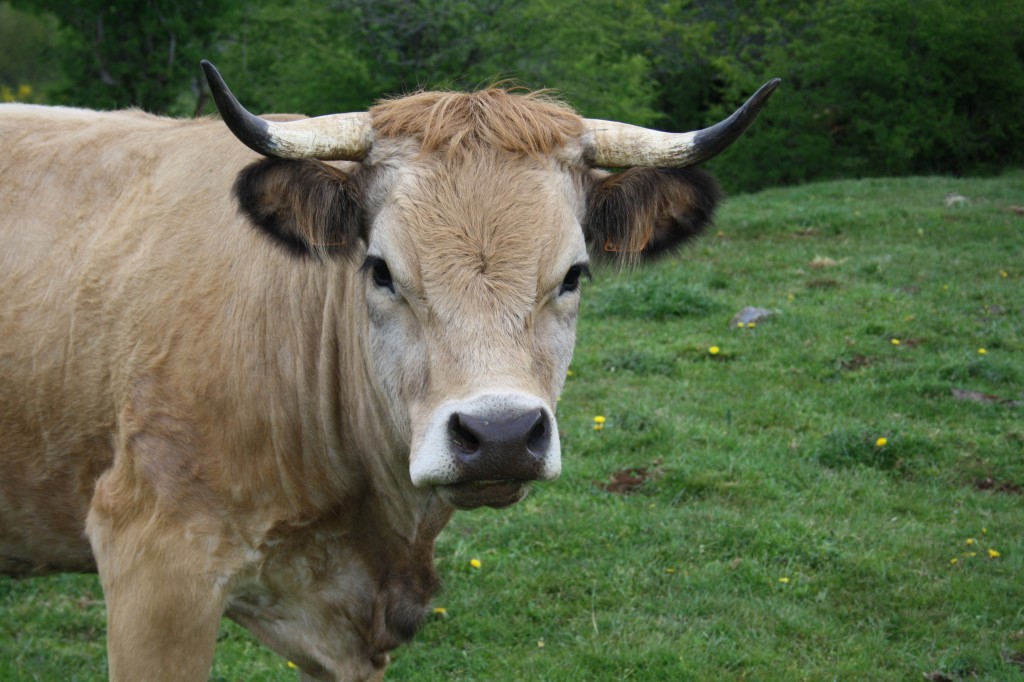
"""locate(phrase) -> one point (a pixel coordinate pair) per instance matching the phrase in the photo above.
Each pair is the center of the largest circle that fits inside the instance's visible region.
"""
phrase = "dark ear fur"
(643, 213)
(306, 206)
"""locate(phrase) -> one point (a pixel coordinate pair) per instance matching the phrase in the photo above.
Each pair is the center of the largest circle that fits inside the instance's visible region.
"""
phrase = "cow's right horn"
(620, 145)
(335, 137)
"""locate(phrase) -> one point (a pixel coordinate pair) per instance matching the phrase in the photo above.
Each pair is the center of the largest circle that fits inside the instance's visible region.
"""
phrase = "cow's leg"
(163, 583)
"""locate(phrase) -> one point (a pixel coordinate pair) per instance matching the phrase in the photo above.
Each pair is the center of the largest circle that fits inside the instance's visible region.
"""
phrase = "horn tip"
(766, 90)
(213, 77)
(250, 130)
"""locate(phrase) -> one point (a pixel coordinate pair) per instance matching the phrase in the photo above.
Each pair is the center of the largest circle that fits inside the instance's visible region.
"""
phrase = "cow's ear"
(643, 213)
(308, 207)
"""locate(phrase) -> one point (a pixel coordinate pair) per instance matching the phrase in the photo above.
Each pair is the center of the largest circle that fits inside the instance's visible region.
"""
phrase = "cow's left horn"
(620, 145)
(330, 138)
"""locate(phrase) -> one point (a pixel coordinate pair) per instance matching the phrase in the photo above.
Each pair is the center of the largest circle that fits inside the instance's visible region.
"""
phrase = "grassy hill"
(738, 517)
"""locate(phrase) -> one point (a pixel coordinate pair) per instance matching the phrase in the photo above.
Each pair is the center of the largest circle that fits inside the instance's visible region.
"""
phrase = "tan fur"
(168, 370)
(520, 123)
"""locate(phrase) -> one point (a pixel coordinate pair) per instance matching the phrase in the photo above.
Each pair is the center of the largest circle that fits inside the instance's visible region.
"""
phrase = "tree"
(143, 53)
(314, 57)
(874, 88)
(27, 66)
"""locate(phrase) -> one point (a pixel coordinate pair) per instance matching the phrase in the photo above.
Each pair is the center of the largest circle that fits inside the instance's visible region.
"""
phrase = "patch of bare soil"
(856, 362)
(990, 483)
(626, 481)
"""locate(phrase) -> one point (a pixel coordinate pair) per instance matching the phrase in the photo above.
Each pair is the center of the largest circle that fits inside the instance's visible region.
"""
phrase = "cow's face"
(473, 215)
(472, 278)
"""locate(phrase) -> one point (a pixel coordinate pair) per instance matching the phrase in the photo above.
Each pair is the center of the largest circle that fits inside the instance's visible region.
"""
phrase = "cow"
(251, 370)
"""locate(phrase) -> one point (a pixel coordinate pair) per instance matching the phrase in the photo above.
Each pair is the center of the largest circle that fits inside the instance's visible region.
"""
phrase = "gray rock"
(750, 314)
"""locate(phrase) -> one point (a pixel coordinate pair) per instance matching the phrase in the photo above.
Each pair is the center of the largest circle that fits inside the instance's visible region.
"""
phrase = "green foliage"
(876, 88)
(26, 59)
(354, 51)
(871, 87)
(296, 57)
(142, 53)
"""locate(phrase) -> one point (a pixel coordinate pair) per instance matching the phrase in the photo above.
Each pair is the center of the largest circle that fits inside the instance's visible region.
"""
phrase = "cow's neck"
(363, 565)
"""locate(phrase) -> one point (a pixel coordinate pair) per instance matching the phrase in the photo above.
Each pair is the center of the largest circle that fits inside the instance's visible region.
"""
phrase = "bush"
(874, 88)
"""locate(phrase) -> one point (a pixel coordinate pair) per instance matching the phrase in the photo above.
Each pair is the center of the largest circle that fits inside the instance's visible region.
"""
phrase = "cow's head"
(473, 218)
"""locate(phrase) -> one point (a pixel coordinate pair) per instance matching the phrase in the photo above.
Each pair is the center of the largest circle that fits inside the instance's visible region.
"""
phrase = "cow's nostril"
(464, 439)
(537, 440)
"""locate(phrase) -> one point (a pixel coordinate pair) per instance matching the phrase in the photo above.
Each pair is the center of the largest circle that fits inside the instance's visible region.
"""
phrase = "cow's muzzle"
(486, 450)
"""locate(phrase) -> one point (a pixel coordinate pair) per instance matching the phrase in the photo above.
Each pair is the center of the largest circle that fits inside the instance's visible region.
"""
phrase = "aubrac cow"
(257, 382)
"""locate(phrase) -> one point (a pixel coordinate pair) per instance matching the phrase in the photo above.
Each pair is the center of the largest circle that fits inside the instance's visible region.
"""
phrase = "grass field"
(767, 535)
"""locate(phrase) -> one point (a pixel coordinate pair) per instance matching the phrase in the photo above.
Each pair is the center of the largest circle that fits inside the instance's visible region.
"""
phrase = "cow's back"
(129, 284)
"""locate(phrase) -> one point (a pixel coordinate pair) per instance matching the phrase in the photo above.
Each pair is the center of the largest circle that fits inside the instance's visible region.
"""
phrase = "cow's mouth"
(475, 494)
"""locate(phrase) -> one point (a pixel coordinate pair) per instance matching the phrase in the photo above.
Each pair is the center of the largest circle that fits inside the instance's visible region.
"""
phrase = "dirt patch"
(1014, 658)
(993, 485)
(857, 362)
(626, 481)
(936, 676)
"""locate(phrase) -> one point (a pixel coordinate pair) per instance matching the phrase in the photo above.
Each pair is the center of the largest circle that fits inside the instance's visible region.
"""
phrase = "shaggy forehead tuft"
(528, 123)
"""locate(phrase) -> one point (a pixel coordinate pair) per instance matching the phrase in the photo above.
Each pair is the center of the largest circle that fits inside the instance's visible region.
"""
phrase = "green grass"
(772, 538)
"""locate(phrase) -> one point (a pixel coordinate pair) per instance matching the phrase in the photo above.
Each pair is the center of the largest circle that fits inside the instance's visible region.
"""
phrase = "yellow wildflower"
(440, 611)
(783, 580)
(1004, 274)
(292, 666)
(568, 372)
(982, 351)
(598, 423)
(741, 325)
(751, 325)
(540, 643)
(970, 541)
(475, 563)
(954, 561)
(881, 442)
(993, 554)
(714, 350)
(895, 342)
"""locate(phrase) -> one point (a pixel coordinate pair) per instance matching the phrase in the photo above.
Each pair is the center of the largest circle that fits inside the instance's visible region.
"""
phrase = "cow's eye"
(380, 273)
(572, 278)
